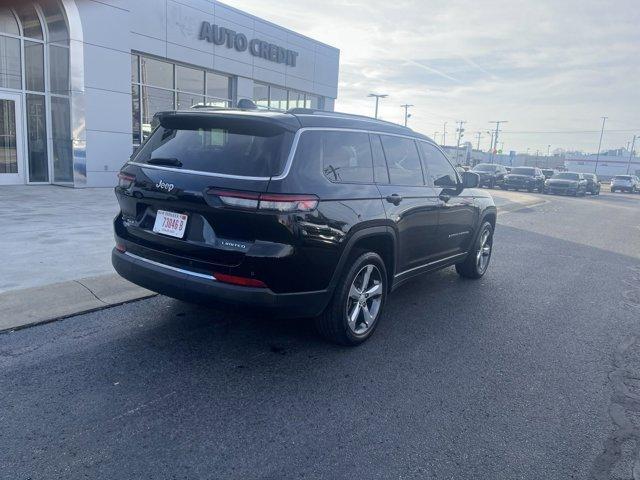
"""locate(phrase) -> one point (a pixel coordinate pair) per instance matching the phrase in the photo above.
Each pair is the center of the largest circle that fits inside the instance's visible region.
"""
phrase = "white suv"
(625, 183)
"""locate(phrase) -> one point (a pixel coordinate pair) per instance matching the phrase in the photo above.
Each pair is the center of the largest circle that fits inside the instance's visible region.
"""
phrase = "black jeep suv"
(524, 178)
(310, 213)
(491, 174)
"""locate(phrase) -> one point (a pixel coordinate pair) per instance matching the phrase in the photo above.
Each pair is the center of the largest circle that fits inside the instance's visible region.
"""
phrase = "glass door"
(11, 140)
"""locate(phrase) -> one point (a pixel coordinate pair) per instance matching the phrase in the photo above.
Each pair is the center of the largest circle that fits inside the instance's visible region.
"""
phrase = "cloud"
(542, 64)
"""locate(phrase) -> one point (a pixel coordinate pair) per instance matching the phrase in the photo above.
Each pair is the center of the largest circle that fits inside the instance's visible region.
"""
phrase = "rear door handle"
(395, 199)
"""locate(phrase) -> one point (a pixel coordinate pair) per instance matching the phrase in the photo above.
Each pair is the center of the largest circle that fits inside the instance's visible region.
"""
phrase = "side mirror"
(470, 180)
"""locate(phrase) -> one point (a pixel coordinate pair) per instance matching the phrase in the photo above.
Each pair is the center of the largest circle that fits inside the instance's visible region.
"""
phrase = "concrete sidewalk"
(59, 243)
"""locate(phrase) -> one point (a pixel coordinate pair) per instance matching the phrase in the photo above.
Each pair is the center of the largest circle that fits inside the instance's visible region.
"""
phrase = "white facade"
(129, 59)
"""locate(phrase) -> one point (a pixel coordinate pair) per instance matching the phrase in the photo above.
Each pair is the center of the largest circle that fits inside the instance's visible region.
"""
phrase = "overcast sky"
(543, 65)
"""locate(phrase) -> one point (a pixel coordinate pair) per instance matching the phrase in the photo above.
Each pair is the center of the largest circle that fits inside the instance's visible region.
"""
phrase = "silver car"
(625, 183)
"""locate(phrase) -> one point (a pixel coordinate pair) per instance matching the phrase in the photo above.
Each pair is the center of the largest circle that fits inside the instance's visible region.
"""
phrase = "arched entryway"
(35, 91)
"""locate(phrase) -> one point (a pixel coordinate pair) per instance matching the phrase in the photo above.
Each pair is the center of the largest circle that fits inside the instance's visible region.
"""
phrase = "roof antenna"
(246, 104)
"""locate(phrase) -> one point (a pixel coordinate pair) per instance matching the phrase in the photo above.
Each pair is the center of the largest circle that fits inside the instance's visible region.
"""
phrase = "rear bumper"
(196, 287)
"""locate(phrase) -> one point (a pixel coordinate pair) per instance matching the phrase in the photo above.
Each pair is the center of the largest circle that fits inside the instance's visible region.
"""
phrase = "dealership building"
(80, 80)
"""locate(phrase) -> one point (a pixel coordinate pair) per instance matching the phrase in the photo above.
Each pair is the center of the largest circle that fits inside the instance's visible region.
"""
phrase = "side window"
(440, 173)
(346, 157)
(403, 160)
(380, 172)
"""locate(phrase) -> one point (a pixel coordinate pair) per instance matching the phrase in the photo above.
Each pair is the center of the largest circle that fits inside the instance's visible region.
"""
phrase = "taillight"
(121, 248)
(125, 180)
(236, 280)
(266, 201)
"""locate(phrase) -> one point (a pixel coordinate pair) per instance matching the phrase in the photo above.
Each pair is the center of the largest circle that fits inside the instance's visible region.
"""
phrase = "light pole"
(633, 144)
(377, 96)
(496, 135)
(604, 119)
(406, 112)
(444, 134)
(435, 136)
(460, 132)
(479, 135)
(548, 150)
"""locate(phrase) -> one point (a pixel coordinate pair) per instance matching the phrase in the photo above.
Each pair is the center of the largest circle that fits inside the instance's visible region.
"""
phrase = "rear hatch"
(187, 195)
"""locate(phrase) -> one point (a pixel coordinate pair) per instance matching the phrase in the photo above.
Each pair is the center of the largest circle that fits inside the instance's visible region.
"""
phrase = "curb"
(38, 305)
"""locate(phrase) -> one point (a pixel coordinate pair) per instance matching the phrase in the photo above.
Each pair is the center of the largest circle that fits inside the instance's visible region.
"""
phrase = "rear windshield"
(484, 168)
(221, 145)
(567, 176)
(622, 177)
(523, 171)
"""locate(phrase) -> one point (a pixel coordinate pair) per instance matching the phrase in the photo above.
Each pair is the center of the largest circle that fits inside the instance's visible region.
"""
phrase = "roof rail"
(312, 111)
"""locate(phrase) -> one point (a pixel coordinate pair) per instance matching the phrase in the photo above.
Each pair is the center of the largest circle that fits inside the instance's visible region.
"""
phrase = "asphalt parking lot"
(532, 372)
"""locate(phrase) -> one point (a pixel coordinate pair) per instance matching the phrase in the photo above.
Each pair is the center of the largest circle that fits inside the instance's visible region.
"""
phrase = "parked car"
(566, 183)
(593, 184)
(309, 213)
(625, 183)
(491, 174)
(508, 169)
(548, 173)
(524, 178)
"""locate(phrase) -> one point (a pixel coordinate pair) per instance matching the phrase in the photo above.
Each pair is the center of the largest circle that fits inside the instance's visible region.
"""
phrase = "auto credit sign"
(238, 41)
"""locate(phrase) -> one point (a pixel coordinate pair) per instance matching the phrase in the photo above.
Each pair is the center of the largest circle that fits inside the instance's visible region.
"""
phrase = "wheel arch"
(379, 239)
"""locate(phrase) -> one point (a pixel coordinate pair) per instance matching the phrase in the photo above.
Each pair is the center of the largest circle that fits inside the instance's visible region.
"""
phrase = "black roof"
(297, 118)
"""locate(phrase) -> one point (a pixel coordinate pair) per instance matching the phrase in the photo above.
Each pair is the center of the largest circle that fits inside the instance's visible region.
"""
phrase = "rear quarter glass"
(219, 145)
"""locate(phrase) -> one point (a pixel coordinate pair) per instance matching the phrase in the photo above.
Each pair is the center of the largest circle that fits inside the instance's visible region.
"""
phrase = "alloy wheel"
(484, 251)
(364, 299)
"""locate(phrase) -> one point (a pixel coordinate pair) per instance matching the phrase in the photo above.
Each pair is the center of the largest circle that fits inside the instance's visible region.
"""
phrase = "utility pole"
(490, 133)
(479, 135)
(406, 112)
(604, 119)
(548, 150)
(633, 144)
(377, 96)
(444, 134)
(496, 135)
(460, 132)
(435, 136)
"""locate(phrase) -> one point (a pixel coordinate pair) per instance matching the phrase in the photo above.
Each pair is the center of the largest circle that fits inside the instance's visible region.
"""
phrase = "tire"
(472, 267)
(333, 324)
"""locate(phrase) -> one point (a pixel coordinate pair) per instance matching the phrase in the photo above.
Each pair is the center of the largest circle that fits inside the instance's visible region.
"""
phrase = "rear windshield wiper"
(174, 162)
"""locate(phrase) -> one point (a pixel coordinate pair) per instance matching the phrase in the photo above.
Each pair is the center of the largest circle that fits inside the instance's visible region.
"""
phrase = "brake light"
(121, 248)
(288, 203)
(236, 280)
(125, 180)
(266, 201)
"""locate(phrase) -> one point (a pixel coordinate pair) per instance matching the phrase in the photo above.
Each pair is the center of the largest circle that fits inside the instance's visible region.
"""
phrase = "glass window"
(154, 100)
(8, 139)
(156, 73)
(346, 156)
(37, 138)
(403, 160)
(216, 102)
(220, 145)
(261, 95)
(34, 65)
(10, 65)
(278, 98)
(135, 69)
(188, 100)
(135, 114)
(59, 69)
(61, 140)
(30, 22)
(380, 172)
(190, 80)
(312, 101)
(296, 99)
(8, 22)
(218, 86)
(440, 173)
(56, 24)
